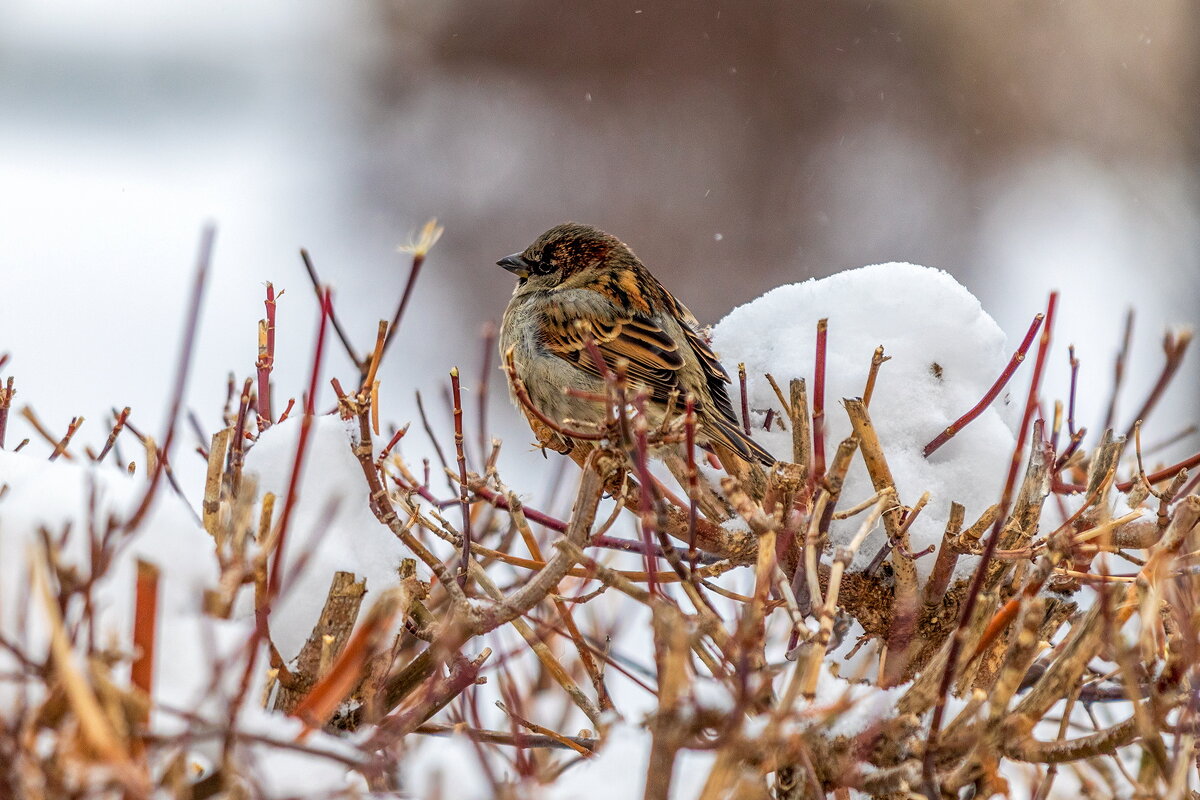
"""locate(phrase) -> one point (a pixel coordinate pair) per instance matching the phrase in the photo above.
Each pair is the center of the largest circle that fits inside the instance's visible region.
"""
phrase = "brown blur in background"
(736, 146)
(740, 146)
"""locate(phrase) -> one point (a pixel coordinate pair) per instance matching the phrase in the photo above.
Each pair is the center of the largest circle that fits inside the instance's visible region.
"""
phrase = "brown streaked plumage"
(578, 283)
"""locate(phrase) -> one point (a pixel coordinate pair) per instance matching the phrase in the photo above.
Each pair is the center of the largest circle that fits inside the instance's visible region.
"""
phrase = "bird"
(578, 286)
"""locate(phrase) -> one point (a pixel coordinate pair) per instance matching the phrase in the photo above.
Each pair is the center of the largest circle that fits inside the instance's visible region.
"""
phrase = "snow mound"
(945, 353)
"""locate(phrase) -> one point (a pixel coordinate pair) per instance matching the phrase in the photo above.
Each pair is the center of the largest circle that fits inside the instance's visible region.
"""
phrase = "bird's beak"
(515, 264)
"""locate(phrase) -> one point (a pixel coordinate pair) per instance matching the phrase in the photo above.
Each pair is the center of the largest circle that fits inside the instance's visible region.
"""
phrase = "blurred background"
(1020, 146)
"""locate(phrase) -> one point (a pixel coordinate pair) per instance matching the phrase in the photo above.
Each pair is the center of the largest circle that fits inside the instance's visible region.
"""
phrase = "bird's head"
(565, 252)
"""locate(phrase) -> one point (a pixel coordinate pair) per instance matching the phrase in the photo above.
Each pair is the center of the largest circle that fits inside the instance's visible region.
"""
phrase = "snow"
(333, 528)
(867, 703)
(945, 353)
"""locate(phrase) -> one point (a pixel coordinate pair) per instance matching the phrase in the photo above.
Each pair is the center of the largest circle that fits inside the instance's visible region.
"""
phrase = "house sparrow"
(577, 283)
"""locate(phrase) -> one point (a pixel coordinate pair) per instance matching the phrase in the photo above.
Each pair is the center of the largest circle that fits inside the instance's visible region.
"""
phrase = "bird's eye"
(543, 267)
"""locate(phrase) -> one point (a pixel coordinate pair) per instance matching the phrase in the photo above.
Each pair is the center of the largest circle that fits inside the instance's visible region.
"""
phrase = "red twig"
(418, 260)
(1153, 477)
(1119, 372)
(989, 550)
(460, 452)
(395, 440)
(485, 379)
(1174, 347)
(203, 260)
(289, 504)
(319, 288)
(818, 415)
(119, 424)
(991, 393)
(145, 620)
(266, 360)
(501, 502)
(1069, 451)
(645, 498)
(61, 447)
(166, 465)
(287, 409)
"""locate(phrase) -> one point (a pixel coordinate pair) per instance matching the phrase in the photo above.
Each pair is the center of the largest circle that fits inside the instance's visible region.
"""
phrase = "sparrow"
(577, 284)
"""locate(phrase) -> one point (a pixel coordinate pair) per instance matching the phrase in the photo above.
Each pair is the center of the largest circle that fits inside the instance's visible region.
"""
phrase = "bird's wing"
(726, 423)
(653, 356)
(654, 359)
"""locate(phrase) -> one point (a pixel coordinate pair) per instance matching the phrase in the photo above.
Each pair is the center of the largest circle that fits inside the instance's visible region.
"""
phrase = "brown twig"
(465, 560)
(745, 398)
(61, 447)
(876, 362)
(420, 249)
(266, 359)
(119, 418)
(6, 396)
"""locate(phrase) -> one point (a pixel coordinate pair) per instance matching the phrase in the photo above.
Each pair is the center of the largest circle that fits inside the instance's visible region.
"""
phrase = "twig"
(522, 394)
(420, 249)
(266, 359)
(907, 602)
(203, 261)
(1110, 416)
(319, 290)
(372, 365)
(32, 418)
(6, 396)
(61, 447)
(943, 566)
(1175, 347)
(745, 398)
(842, 559)
(876, 361)
(1074, 385)
(306, 422)
(975, 588)
(465, 561)
(118, 424)
(954, 427)
(485, 378)
(510, 738)
(818, 412)
(141, 672)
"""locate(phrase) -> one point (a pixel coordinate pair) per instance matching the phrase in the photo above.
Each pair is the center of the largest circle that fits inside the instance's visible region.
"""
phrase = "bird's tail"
(740, 456)
(734, 438)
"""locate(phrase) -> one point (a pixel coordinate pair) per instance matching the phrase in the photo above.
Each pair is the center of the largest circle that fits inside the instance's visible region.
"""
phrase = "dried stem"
(266, 359)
